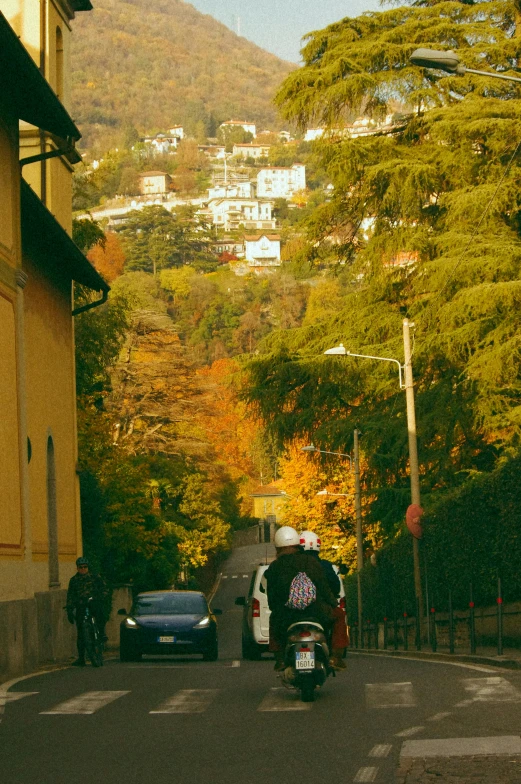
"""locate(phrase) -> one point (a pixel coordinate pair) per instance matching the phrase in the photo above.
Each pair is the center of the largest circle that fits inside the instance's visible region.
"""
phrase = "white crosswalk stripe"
(14, 696)
(85, 704)
(188, 701)
(408, 732)
(366, 774)
(389, 695)
(491, 690)
(281, 699)
(381, 750)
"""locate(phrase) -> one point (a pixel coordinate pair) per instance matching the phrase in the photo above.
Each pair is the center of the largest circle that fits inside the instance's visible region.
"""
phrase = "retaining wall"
(35, 632)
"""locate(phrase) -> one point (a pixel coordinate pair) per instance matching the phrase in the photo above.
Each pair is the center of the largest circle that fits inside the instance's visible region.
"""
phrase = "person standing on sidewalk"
(82, 586)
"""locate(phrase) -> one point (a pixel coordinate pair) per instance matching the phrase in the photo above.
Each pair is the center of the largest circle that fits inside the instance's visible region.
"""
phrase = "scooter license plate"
(305, 660)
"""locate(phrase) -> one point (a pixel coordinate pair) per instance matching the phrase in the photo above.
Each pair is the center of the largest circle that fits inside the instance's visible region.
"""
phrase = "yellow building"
(40, 527)
(268, 504)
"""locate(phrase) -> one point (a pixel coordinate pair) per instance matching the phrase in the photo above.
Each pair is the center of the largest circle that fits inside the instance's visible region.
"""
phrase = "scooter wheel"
(307, 692)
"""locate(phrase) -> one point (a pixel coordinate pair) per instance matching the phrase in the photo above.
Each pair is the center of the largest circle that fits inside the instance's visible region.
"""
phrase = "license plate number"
(305, 660)
(166, 638)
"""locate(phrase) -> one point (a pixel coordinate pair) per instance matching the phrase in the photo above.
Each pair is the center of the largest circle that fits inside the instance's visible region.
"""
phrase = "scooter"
(306, 658)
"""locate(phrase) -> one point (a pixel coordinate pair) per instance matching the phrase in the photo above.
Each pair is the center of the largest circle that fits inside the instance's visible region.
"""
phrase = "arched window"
(59, 63)
(52, 517)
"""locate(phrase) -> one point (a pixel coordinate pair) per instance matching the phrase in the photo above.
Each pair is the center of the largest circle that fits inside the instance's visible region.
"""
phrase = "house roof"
(154, 174)
(25, 91)
(256, 237)
(237, 122)
(268, 490)
(44, 238)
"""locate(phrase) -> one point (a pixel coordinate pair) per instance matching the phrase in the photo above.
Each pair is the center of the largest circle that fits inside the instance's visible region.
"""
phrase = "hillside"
(152, 66)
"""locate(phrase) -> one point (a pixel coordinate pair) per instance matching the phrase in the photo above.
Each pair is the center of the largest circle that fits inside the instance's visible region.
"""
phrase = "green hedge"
(472, 535)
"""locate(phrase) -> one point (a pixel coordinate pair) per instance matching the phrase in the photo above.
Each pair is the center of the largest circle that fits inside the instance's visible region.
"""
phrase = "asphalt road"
(229, 722)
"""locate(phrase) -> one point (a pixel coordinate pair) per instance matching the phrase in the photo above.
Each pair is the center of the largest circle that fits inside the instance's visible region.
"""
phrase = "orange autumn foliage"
(108, 259)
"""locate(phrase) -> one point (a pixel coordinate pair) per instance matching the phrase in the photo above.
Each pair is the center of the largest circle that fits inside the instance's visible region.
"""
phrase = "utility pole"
(413, 457)
(359, 539)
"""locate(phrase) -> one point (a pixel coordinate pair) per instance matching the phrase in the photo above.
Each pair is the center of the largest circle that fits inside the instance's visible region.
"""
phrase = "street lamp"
(406, 383)
(313, 448)
(450, 63)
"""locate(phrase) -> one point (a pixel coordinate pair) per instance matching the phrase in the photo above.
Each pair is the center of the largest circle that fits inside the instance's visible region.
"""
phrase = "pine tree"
(424, 222)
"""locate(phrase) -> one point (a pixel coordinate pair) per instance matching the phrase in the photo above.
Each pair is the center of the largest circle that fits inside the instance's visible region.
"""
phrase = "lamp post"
(354, 463)
(450, 63)
(407, 383)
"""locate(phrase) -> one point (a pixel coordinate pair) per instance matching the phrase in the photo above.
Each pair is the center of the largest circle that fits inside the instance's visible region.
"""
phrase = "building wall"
(37, 376)
(51, 413)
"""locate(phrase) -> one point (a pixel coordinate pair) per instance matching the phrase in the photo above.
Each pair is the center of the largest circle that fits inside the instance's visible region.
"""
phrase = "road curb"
(464, 658)
(214, 588)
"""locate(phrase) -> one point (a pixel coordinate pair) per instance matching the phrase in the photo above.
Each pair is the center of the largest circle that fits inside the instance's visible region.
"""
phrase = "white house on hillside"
(234, 190)
(312, 134)
(262, 251)
(247, 126)
(281, 182)
(177, 132)
(251, 150)
(154, 182)
(230, 213)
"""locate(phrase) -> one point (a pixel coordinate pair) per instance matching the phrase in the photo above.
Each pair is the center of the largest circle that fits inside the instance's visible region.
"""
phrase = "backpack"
(302, 592)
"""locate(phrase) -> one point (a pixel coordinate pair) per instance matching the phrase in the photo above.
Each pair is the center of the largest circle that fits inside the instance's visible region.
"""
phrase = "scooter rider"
(291, 561)
(339, 639)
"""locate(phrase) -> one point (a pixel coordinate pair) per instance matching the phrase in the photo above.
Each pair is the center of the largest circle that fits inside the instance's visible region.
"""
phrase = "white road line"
(380, 750)
(85, 704)
(389, 695)
(13, 696)
(236, 663)
(366, 774)
(225, 577)
(280, 699)
(409, 732)
(463, 704)
(439, 716)
(234, 576)
(462, 747)
(245, 576)
(492, 690)
(188, 701)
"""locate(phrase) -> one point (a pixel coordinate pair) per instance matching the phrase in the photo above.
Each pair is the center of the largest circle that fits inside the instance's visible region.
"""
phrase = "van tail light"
(255, 606)
(342, 603)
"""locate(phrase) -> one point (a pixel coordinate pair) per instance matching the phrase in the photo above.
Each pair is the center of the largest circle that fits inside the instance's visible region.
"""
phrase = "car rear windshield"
(171, 604)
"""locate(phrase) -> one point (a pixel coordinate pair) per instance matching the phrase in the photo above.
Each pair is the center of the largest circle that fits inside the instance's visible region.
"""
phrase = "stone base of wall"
(35, 632)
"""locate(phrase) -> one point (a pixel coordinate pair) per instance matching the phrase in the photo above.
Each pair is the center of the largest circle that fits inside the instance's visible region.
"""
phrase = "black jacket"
(280, 574)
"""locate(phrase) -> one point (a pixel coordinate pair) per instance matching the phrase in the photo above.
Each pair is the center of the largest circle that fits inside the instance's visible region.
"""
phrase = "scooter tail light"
(255, 606)
(342, 603)
(304, 633)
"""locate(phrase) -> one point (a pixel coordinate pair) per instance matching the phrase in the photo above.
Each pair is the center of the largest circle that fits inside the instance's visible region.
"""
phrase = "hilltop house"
(246, 126)
(242, 189)
(154, 183)
(40, 526)
(262, 251)
(280, 181)
(230, 213)
(248, 150)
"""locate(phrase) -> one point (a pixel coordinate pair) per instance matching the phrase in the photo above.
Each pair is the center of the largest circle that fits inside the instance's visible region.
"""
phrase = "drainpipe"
(91, 305)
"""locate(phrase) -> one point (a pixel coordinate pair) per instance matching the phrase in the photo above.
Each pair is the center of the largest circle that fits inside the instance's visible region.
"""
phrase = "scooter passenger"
(292, 562)
(339, 640)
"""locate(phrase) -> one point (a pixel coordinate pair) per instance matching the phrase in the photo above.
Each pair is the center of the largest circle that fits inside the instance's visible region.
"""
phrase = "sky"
(278, 25)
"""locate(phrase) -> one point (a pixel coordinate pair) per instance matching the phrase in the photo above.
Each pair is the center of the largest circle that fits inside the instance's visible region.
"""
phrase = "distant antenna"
(239, 26)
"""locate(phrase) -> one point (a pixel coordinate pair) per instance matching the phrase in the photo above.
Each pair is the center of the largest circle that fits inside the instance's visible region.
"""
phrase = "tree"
(108, 258)
(230, 135)
(422, 222)
(87, 233)
(156, 239)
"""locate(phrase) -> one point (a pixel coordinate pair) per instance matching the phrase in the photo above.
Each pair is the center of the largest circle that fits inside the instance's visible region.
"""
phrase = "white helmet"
(310, 541)
(286, 537)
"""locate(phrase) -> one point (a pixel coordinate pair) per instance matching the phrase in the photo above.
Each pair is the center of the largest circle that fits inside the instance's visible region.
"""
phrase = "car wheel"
(212, 653)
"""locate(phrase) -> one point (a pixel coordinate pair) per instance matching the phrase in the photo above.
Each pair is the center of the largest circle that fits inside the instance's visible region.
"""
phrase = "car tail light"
(255, 606)
(342, 603)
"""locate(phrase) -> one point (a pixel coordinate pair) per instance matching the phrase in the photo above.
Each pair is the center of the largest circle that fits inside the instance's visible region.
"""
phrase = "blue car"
(168, 622)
